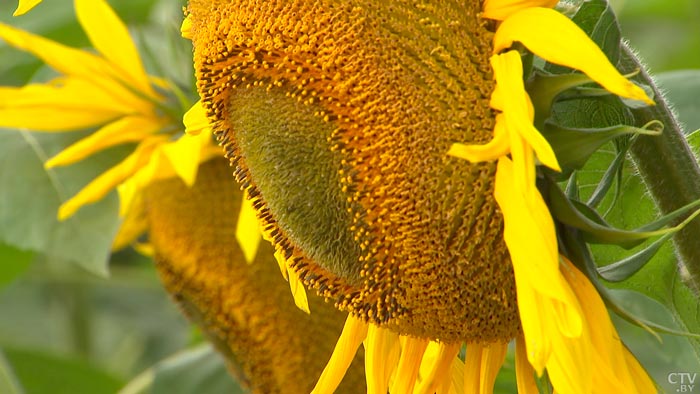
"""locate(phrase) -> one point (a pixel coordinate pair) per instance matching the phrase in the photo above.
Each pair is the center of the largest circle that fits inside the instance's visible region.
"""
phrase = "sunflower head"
(337, 120)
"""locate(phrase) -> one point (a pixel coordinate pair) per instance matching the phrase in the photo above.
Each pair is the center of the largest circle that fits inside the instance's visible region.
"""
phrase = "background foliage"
(77, 320)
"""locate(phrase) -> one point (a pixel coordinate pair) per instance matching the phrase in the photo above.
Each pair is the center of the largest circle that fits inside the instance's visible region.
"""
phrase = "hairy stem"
(669, 169)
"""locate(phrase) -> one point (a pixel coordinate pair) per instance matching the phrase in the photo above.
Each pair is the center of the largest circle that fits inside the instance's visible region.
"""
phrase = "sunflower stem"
(669, 169)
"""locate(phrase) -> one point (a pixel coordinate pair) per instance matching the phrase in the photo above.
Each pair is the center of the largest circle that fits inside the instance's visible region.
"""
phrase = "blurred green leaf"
(30, 197)
(8, 381)
(42, 373)
(13, 262)
(659, 357)
(197, 370)
(682, 88)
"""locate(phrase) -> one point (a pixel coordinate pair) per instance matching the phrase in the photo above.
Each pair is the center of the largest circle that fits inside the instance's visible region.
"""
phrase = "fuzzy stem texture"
(668, 168)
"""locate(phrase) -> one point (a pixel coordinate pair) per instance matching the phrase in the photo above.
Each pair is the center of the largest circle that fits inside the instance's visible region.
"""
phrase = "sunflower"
(390, 152)
(243, 309)
(110, 92)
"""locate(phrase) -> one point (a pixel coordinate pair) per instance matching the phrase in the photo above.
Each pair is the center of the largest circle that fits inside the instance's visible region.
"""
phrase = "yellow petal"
(438, 368)
(610, 365)
(127, 129)
(640, 377)
(570, 367)
(502, 9)
(557, 39)
(298, 292)
(282, 263)
(195, 120)
(133, 225)
(107, 181)
(524, 374)
(69, 106)
(381, 356)
(248, 232)
(472, 368)
(354, 332)
(497, 147)
(546, 303)
(493, 356)
(111, 38)
(72, 62)
(184, 154)
(407, 371)
(157, 167)
(186, 28)
(24, 6)
(516, 106)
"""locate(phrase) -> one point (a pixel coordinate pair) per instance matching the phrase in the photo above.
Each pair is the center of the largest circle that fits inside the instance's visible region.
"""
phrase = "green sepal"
(573, 145)
(544, 88)
(595, 230)
(625, 268)
(613, 172)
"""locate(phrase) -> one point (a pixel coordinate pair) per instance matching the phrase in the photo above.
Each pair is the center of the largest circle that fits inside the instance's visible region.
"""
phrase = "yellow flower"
(339, 121)
(110, 91)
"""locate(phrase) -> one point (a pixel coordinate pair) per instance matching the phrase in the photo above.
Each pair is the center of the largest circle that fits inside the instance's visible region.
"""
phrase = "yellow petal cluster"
(111, 92)
(566, 329)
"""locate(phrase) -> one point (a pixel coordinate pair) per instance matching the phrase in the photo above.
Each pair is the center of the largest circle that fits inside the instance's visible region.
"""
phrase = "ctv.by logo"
(684, 380)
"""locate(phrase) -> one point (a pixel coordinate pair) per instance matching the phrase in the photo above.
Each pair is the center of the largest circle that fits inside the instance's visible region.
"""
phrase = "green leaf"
(30, 197)
(682, 89)
(13, 262)
(42, 373)
(198, 370)
(8, 381)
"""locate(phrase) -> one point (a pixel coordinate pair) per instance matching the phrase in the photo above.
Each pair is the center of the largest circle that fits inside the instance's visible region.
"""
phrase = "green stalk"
(669, 169)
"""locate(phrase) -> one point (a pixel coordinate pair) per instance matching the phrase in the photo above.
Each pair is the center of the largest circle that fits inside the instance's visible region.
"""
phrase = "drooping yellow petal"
(438, 368)
(610, 366)
(516, 105)
(570, 367)
(134, 223)
(640, 377)
(493, 356)
(72, 62)
(127, 129)
(407, 371)
(524, 374)
(502, 9)
(195, 120)
(546, 303)
(107, 181)
(186, 28)
(472, 368)
(354, 332)
(381, 356)
(557, 39)
(248, 232)
(481, 365)
(497, 147)
(24, 6)
(110, 37)
(184, 156)
(298, 292)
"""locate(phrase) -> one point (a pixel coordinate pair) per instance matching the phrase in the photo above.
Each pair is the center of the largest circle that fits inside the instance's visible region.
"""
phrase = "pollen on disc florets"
(337, 116)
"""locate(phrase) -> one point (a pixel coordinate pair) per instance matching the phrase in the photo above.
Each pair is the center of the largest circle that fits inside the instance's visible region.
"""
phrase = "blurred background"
(64, 329)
